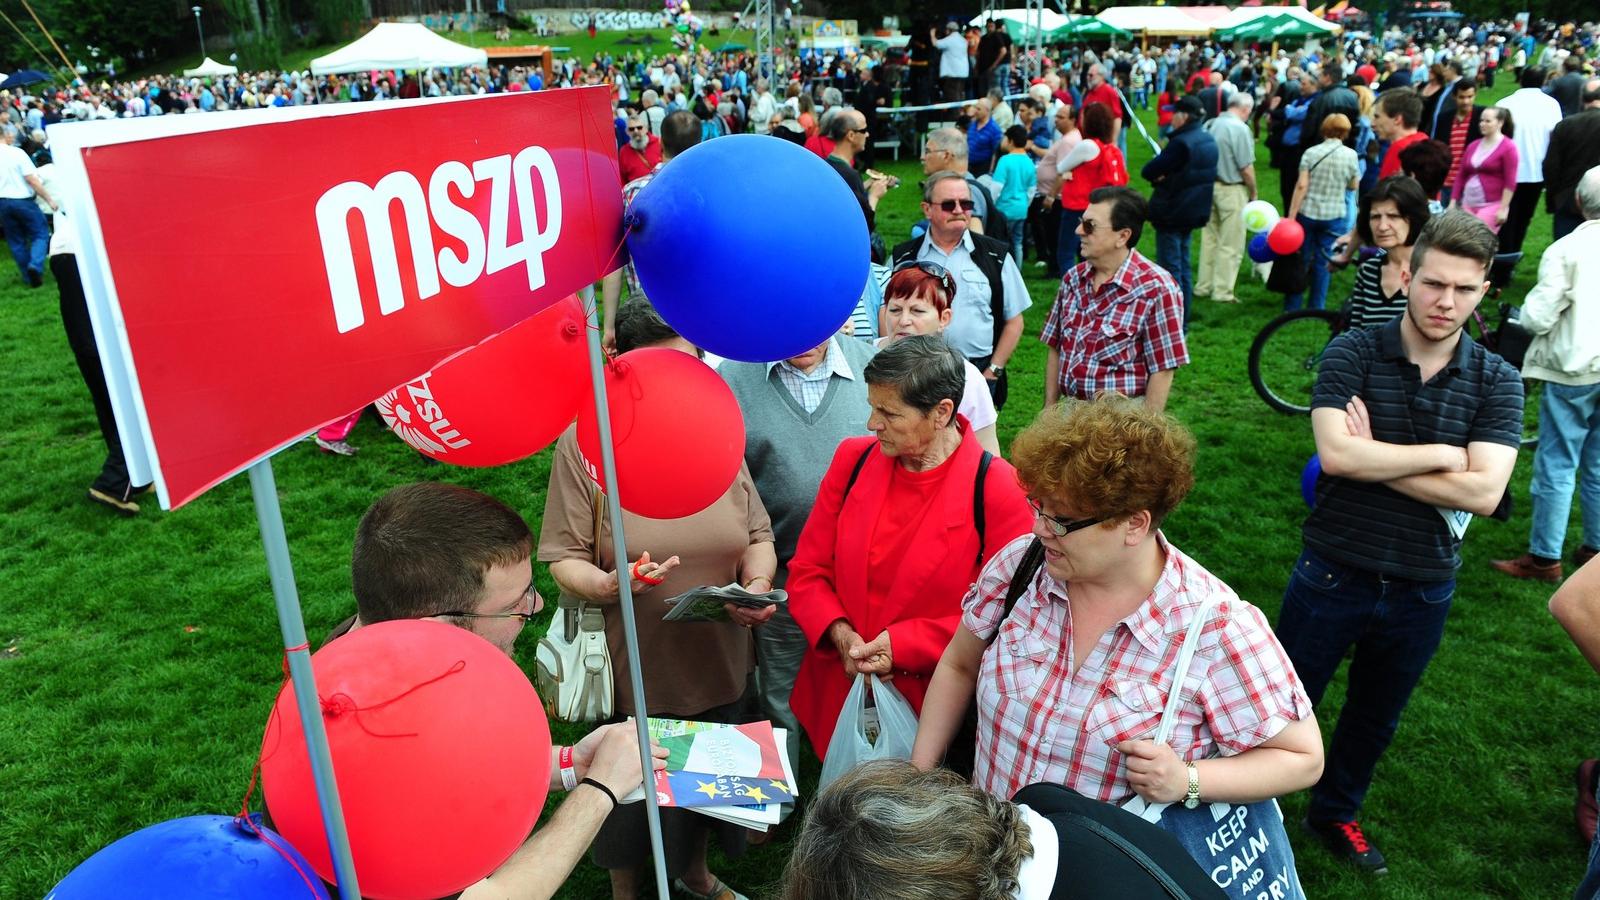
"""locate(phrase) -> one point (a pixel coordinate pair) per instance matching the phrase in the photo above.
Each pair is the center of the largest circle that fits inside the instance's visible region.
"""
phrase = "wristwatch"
(998, 370)
(1192, 799)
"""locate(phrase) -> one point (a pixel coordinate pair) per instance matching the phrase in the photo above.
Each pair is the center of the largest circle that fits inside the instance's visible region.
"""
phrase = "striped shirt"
(1042, 718)
(1368, 525)
(1368, 306)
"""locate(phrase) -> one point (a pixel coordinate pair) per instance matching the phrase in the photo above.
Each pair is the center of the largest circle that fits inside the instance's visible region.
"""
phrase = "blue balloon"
(1259, 251)
(723, 204)
(1308, 480)
(194, 858)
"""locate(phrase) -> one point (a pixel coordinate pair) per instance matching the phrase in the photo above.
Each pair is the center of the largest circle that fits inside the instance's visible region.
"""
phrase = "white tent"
(398, 45)
(1154, 20)
(211, 69)
(1246, 14)
(1049, 19)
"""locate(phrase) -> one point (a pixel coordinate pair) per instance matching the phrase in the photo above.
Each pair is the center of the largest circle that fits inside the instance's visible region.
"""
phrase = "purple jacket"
(1498, 172)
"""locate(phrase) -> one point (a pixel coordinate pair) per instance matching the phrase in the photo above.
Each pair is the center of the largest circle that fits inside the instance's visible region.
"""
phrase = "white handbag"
(574, 665)
(572, 661)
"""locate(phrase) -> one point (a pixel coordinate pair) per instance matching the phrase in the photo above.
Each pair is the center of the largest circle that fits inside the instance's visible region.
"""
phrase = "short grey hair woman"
(886, 831)
(902, 523)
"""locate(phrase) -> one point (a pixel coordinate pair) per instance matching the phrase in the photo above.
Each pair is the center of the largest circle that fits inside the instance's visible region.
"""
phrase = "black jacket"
(1474, 129)
(1183, 175)
(1337, 99)
(1091, 866)
(1574, 150)
(1568, 91)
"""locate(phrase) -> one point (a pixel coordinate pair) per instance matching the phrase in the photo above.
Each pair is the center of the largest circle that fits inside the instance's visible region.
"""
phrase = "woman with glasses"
(917, 301)
(902, 523)
(693, 670)
(1071, 680)
(1094, 163)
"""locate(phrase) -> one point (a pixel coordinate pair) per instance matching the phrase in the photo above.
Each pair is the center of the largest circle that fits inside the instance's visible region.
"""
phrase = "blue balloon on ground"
(750, 246)
(194, 858)
(1308, 480)
(1259, 251)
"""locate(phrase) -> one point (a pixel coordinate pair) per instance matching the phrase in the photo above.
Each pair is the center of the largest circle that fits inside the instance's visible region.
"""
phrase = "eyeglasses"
(1061, 527)
(1087, 225)
(949, 206)
(635, 127)
(946, 280)
(530, 595)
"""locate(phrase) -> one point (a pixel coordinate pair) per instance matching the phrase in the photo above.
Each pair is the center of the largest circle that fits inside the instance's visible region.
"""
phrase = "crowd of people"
(1024, 599)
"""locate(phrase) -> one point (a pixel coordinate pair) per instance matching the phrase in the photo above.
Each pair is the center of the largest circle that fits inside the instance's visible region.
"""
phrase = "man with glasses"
(848, 130)
(642, 153)
(436, 551)
(1117, 322)
(990, 295)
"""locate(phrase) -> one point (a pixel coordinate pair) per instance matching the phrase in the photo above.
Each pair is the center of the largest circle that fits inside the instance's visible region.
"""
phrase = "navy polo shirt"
(1370, 526)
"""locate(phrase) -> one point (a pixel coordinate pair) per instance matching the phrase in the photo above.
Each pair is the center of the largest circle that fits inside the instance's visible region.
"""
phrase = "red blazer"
(828, 575)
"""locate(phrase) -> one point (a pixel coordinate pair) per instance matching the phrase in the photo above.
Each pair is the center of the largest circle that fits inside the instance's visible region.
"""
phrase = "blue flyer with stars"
(721, 765)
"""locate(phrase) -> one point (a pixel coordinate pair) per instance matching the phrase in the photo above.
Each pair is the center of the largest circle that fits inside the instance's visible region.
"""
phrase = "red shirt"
(1109, 168)
(820, 145)
(1391, 160)
(636, 164)
(1106, 94)
(1198, 80)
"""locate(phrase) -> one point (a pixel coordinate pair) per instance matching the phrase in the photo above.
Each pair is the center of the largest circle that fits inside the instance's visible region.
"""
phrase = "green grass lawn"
(139, 658)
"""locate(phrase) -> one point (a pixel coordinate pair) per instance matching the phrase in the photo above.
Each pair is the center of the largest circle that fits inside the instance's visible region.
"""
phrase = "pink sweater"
(1497, 172)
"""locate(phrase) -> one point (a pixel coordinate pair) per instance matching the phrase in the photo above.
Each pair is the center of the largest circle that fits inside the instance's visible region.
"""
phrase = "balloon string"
(245, 821)
(336, 704)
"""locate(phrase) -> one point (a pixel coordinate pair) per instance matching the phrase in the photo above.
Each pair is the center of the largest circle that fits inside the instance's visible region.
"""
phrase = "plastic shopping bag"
(853, 739)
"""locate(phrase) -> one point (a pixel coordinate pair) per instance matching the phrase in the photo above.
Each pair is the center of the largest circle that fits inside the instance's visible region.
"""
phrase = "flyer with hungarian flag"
(738, 773)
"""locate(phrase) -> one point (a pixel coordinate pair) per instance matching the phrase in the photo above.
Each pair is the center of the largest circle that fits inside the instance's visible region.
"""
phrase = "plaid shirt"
(629, 191)
(1332, 166)
(1039, 721)
(1116, 337)
(809, 389)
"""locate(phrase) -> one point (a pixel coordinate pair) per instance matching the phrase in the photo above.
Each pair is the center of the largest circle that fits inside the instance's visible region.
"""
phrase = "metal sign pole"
(608, 461)
(268, 514)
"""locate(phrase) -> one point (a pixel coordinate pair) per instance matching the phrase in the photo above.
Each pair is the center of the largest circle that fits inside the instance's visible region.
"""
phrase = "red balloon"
(502, 400)
(441, 750)
(1286, 237)
(678, 433)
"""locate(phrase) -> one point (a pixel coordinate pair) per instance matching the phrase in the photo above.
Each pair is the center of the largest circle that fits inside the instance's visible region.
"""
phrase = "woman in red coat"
(893, 542)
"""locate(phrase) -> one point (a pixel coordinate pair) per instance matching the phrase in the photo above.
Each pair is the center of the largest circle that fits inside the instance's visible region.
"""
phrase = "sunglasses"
(950, 206)
(1058, 526)
(946, 280)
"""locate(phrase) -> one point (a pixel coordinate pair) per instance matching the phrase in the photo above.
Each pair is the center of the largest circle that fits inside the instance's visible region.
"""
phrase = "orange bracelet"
(634, 571)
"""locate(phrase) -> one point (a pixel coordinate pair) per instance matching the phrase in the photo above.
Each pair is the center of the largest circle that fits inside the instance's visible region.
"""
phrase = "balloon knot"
(337, 705)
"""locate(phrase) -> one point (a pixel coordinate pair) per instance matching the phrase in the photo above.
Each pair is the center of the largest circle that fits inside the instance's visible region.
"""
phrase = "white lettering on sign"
(395, 415)
(486, 252)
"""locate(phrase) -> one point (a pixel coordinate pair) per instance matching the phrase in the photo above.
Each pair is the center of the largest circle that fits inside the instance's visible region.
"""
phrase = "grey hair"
(832, 97)
(935, 178)
(886, 831)
(924, 369)
(649, 97)
(1588, 193)
(950, 140)
(1242, 100)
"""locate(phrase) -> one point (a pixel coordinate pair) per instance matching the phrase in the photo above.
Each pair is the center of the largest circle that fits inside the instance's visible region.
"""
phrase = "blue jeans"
(27, 234)
(1395, 626)
(1317, 251)
(1141, 97)
(1067, 240)
(1172, 254)
(1017, 225)
(1589, 888)
(1002, 77)
(1569, 451)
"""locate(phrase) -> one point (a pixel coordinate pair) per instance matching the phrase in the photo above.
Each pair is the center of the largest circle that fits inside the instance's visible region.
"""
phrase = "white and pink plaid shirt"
(1038, 721)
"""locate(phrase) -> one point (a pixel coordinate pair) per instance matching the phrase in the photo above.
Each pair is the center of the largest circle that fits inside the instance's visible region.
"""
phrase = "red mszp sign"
(266, 278)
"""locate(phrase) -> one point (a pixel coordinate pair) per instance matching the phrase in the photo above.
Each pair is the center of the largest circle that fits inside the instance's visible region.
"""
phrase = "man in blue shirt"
(983, 138)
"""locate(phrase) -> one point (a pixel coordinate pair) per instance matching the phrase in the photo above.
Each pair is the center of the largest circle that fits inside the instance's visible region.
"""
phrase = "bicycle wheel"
(1285, 356)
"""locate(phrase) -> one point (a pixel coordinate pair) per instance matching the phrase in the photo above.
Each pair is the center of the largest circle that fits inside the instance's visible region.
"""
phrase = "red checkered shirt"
(1039, 721)
(1116, 337)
